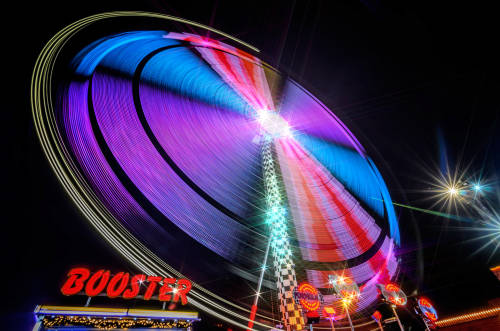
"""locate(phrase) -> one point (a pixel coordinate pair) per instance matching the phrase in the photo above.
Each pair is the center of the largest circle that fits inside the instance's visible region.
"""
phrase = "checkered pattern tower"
(276, 218)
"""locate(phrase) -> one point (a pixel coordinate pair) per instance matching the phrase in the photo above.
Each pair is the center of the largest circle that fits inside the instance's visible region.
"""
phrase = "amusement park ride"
(157, 129)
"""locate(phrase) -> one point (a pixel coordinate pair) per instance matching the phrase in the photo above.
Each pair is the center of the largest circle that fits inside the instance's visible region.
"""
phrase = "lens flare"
(487, 230)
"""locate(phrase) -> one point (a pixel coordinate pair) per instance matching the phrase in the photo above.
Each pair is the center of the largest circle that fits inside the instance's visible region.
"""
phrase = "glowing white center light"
(273, 123)
(452, 191)
(477, 187)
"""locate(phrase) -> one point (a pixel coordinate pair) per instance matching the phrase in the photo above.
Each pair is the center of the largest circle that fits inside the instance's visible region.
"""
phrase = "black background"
(396, 74)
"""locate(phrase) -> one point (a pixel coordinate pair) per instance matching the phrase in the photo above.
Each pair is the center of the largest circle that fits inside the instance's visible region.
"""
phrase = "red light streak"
(91, 289)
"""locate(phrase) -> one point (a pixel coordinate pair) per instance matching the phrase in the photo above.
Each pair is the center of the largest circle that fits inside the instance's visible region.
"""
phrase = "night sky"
(405, 78)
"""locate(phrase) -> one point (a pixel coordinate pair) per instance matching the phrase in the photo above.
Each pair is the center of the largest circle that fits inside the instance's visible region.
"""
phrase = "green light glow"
(433, 212)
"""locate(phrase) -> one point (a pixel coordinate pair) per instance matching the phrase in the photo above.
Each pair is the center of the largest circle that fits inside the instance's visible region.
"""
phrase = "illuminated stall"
(81, 281)
(90, 318)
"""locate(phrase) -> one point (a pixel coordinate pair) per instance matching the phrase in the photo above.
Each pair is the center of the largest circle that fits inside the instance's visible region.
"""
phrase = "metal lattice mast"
(276, 218)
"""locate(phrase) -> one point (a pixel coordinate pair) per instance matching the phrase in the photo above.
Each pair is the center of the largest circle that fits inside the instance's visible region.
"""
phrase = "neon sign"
(308, 296)
(393, 294)
(377, 316)
(329, 312)
(124, 285)
(427, 309)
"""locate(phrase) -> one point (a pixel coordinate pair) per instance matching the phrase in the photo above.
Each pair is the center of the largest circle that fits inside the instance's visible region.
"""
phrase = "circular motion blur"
(182, 149)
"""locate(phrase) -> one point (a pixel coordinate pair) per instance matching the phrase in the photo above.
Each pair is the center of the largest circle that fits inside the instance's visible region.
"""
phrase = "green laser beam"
(432, 212)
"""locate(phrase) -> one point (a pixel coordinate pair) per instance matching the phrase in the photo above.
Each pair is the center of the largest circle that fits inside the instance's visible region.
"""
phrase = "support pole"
(380, 326)
(259, 284)
(426, 325)
(397, 317)
(88, 301)
(348, 316)
(331, 323)
(39, 324)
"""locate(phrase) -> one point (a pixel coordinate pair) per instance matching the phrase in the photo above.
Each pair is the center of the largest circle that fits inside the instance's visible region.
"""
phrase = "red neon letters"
(92, 289)
(166, 288)
(120, 279)
(75, 282)
(153, 280)
(136, 281)
(80, 279)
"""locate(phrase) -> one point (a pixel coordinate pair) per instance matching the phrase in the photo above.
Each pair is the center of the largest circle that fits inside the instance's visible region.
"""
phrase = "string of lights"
(469, 317)
(112, 323)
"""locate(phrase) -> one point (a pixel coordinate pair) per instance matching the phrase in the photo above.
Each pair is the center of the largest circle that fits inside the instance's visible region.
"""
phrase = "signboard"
(329, 312)
(126, 286)
(308, 296)
(377, 316)
(345, 288)
(427, 309)
(393, 293)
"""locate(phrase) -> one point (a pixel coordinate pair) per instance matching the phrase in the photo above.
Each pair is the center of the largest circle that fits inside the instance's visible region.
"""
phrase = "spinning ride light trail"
(165, 139)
